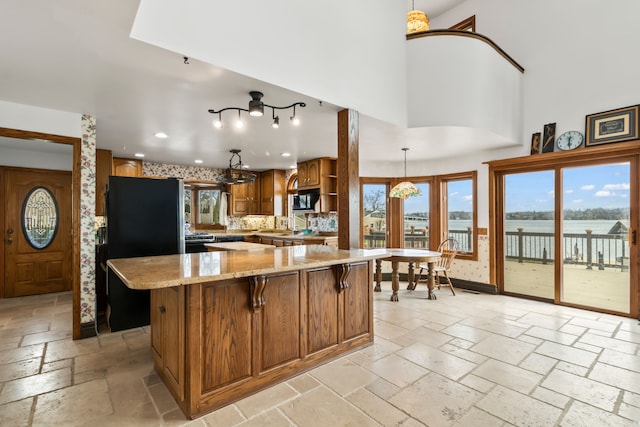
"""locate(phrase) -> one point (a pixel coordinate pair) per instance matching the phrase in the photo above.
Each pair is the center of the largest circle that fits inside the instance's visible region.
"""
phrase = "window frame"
(437, 227)
(442, 231)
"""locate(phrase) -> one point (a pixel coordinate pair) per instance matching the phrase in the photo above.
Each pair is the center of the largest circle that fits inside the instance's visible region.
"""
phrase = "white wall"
(348, 53)
(38, 157)
(580, 56)
(36, 119)
(464, 82)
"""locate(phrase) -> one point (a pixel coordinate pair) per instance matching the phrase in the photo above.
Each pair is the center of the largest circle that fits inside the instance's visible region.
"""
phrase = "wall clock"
(569, 140)
(548, 138)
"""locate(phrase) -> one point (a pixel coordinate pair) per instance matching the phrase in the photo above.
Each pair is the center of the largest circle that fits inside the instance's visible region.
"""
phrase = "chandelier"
(256, 109)
(417, 20)
(235, 174)
(405, 188)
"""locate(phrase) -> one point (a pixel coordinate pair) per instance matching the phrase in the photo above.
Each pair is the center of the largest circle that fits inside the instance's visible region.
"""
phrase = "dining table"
(410, 256)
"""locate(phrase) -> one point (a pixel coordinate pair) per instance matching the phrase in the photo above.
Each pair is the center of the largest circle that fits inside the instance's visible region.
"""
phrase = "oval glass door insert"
(40, 217)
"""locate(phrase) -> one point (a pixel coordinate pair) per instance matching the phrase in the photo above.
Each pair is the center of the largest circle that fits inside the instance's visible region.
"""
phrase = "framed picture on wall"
(612, 126)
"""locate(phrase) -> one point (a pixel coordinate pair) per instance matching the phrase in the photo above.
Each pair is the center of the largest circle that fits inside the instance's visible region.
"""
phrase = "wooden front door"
(37, 231)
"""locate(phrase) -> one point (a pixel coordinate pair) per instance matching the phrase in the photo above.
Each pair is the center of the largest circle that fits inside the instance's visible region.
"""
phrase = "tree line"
(573, 214)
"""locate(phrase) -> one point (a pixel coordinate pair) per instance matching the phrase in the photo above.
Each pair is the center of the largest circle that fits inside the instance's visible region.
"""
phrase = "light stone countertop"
(184, 269)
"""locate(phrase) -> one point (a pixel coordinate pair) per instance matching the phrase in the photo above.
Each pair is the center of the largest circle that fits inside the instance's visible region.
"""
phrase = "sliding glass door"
(566, 230)
(595, 224)
(529, 236)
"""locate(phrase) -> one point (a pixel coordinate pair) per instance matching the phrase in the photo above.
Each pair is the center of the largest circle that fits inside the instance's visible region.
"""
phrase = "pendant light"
(417, 20)
(405, 188)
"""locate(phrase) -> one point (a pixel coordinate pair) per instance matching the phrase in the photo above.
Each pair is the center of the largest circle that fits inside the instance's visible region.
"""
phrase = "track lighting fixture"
(236, 174)
(256, 109)
(294, 119)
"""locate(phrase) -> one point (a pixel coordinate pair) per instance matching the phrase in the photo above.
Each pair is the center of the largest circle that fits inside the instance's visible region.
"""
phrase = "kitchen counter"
(185, 269)
(225, 325)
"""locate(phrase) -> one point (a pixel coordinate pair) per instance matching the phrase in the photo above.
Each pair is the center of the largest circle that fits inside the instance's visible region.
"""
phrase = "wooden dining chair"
(448, 248)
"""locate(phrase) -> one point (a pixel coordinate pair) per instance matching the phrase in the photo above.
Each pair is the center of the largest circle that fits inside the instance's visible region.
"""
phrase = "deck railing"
(591, 250)
(419, 239)
(601, 250)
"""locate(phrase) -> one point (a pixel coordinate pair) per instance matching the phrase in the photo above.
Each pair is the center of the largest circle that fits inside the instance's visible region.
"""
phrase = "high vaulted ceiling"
(77, 56)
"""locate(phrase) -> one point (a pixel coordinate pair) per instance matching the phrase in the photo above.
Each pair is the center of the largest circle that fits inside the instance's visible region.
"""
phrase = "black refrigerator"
(144, 217)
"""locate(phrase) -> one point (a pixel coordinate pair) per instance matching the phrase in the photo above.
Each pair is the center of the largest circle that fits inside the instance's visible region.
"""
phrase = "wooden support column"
(348, 180)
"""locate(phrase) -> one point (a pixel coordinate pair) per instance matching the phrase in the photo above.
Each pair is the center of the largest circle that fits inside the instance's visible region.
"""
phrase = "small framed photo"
(535, 143)
(612, 126)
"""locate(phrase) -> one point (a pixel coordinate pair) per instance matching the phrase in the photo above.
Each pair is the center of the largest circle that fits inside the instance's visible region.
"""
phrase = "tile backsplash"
(317, 222)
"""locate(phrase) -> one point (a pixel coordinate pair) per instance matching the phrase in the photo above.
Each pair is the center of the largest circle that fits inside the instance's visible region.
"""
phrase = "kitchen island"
(225, 325)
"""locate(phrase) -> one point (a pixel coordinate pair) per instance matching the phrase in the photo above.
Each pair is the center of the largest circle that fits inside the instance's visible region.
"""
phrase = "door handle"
(10, 231)
(9, 240)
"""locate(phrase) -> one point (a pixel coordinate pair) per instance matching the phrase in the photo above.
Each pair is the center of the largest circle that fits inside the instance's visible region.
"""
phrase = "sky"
(604, 186)
(600, 186)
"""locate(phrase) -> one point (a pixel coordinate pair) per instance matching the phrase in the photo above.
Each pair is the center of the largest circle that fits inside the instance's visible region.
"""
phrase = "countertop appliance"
(194, 242)
(144, 217)
(306, 200)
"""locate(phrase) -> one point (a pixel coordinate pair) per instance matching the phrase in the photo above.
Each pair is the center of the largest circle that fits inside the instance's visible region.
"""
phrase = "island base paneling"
(235, 337)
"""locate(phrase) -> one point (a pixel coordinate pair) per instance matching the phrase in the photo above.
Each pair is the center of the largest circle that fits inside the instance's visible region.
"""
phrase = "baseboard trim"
(457, 283)
(87, 330)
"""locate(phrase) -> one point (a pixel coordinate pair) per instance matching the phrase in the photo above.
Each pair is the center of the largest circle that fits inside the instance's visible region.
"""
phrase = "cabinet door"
(313, 173)
(103, 170)
(167, 336)
(239, 200)
(127, 167)
(302, 175)
(272, 192)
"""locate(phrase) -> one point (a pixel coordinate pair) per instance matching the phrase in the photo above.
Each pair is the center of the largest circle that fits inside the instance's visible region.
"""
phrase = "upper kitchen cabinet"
(272, 192)
(309, 174)
(103, 170)
(127, 167)
(320, 174)
(245, 198)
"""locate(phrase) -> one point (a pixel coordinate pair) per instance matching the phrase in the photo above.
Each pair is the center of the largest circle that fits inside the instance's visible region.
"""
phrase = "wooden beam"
(348, 180)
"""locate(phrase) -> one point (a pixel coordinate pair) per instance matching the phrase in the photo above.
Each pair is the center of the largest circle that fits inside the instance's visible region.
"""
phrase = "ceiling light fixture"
(294, 119)
(405, 188)
(417, 20)
(160, 135)
(256, 109)
(235, 174)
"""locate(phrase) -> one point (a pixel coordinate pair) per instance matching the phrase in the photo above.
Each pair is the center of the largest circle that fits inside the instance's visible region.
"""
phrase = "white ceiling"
(77, 56)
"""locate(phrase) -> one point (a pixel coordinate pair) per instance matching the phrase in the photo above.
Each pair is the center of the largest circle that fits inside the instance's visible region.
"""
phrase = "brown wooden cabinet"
(245, 198)
(249, 333)
(167, 337)
(309, 174)
(320, 174)
(126, 167)
(272, 192)
(103, 170)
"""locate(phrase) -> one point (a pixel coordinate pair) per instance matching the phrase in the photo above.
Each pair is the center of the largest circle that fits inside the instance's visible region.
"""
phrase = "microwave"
(306, 200)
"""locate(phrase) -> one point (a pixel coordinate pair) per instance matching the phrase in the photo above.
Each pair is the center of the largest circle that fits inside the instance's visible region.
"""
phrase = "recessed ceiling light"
(293, 167)
(246, 166)
(139, 155)
(161, 135)
(285, 154)
(198, 161)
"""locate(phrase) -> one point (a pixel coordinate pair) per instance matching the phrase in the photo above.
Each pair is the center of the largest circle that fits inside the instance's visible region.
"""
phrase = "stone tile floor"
(469, 360)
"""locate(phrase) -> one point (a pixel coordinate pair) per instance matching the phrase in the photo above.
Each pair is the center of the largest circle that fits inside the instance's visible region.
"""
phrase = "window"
(458, 217)
(374, 215)
(416, 219)
(204, 205)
